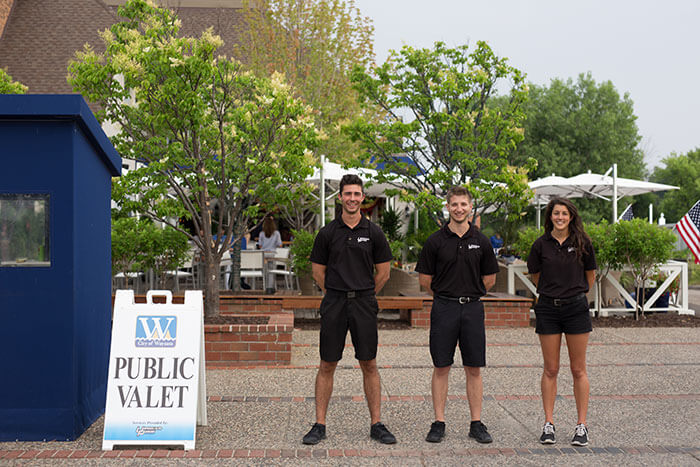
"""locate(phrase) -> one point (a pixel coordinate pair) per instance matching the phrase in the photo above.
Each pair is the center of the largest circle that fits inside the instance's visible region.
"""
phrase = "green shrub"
(301, 250)
(526, 237)
(140, 245)
(643, 247)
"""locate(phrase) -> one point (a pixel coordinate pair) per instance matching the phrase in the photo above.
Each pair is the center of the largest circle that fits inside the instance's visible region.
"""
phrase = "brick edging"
(308, 453)
(453, 397)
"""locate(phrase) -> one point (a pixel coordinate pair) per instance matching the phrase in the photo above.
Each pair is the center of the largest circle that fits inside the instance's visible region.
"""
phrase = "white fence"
(673, 269)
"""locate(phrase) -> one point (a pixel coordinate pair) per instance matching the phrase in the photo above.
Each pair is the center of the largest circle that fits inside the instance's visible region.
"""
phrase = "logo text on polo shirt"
(570, 249)
(362, 239)
(472, 246)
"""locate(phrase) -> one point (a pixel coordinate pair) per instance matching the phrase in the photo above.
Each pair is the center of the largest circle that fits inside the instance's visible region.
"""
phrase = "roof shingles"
(42, 36)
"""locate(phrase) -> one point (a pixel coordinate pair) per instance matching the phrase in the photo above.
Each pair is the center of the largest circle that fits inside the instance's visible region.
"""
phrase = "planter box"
(238, 345)
(500, 311)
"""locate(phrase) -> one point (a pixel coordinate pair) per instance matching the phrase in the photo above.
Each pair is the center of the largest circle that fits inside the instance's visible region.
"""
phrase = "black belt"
(461, 300)
(560, 301)
(351, 293)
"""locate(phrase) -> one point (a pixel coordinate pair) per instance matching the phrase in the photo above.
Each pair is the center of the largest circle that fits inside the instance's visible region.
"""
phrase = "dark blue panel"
(62, 107)
(55, 321)
(36, 304)
(92, 287)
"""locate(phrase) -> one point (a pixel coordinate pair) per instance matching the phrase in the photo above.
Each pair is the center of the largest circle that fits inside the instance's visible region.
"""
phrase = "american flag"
(689, 228)
(627, 214)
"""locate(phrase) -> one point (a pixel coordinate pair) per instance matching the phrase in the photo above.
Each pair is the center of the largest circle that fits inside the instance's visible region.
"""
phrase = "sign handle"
(159, 293)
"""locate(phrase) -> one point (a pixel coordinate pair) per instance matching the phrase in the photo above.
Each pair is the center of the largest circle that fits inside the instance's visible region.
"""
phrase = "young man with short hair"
(457, 266)
(343, 261)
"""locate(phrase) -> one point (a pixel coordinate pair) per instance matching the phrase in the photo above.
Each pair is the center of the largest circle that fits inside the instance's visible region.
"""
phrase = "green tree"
(572, 127)
(140, 245)
(451, 132)
(643, 246)
(7, 86)
(315, 44)
(607, 256)
(211, 136)
(125, 245)
(683, 171)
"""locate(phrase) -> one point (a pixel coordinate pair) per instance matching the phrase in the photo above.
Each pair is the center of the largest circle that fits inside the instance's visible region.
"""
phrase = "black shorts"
(568, 318)
(452, 322)
(340, 313)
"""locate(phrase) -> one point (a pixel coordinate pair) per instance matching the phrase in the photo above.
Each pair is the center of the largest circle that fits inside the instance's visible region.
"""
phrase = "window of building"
(24, 230)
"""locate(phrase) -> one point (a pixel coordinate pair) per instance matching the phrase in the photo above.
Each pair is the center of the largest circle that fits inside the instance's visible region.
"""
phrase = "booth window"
(24, 230)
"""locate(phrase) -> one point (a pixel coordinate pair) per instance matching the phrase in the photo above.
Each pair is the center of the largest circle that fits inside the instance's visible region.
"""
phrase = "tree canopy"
(315, 44)
(8, 86)
(572, 127)
(438, 113)
(683, 171)
(213, 140)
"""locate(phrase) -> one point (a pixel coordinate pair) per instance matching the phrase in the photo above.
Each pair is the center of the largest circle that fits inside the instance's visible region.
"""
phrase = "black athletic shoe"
(580, 435)
(477, 430)
(315, 435)
(436, 433)
(548, 434)
(379, 432)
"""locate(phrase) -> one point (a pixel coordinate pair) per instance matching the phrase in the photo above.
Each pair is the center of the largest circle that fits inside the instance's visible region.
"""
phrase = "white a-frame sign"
(156, 390)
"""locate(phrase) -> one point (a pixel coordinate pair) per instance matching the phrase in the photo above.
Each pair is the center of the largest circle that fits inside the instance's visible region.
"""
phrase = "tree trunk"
(236, 267)
(211, 287)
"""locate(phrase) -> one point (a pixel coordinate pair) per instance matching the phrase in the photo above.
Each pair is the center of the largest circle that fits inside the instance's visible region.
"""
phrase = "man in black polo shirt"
(457, 266)
(343, 261)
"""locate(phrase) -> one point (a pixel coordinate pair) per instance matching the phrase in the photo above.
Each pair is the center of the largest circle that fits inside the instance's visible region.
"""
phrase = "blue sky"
(647, 48)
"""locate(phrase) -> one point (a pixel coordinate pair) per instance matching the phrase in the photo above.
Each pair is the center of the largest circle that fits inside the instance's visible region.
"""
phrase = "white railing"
(673, 269)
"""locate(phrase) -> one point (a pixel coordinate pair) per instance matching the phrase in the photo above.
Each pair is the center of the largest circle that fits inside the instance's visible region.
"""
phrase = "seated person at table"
(269, 239)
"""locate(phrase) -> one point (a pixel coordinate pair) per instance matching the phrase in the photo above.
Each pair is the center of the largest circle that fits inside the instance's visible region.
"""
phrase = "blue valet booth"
(55, 266)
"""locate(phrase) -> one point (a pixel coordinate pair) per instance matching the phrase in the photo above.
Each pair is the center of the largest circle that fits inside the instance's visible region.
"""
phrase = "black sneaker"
(379, 432)
(580, 435)
(315, 435)
(548, 434)
(436, 433)
(477, 430)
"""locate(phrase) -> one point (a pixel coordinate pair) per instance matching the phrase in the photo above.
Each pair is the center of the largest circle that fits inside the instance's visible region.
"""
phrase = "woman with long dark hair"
(562, 265)
(269, 236)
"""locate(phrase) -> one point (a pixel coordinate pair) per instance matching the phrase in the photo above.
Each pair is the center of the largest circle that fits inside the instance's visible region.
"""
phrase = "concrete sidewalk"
(644, 408)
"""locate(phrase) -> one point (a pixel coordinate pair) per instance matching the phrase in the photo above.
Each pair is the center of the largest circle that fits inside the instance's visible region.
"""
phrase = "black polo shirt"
(561, 274)
(350, 254)
(457, 263)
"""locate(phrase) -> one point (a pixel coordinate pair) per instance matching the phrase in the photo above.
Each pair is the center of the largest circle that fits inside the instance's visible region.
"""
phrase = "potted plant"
(658, 278)
(300, 251)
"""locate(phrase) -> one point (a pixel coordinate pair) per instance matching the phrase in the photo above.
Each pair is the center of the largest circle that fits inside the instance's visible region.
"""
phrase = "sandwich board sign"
(156, 391)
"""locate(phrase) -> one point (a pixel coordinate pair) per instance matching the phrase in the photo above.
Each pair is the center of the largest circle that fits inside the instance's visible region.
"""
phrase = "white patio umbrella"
(545, 188)
(590, 185)
(328, 177)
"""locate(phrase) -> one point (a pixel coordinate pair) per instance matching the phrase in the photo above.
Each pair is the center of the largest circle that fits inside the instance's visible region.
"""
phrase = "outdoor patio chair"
(282, 267)
(253, 265)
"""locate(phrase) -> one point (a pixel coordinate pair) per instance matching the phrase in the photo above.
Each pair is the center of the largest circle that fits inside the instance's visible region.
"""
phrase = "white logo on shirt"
(362, 239)
(472, 246)
(570, 249)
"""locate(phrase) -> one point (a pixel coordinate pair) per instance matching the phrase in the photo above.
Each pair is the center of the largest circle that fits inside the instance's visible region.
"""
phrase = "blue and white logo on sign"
(156, 331)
